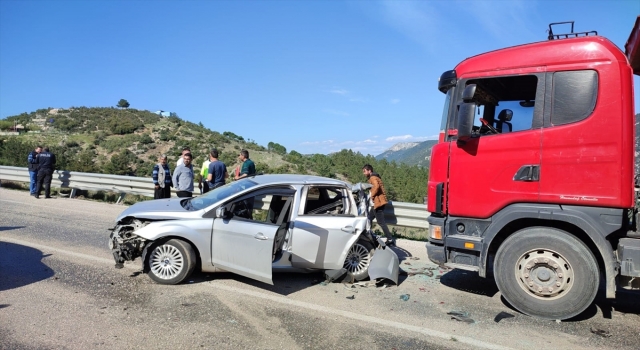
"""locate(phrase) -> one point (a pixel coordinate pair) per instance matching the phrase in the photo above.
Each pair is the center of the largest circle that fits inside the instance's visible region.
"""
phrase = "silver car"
(254, 226)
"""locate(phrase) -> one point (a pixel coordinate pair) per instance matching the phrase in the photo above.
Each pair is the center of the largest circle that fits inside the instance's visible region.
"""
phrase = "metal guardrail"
(396, 213)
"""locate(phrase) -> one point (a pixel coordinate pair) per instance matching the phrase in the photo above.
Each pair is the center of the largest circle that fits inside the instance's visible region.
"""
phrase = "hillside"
(129, 141)
(410, 153)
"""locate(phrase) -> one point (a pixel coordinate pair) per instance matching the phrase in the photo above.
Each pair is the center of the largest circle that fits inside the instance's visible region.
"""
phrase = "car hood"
(158, 209)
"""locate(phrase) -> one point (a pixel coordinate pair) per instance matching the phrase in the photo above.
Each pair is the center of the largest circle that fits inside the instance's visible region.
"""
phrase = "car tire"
(547, 273)
(358, 259)
(171, 262)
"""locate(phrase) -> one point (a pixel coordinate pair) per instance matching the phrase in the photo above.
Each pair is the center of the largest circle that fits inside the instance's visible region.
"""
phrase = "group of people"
(41, 165)
(213, 174)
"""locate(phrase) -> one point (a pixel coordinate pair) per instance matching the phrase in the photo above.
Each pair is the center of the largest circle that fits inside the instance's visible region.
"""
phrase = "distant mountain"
(410, 153)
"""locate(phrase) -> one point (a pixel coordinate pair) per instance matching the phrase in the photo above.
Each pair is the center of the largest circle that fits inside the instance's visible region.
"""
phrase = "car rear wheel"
(171, 262)
(358, 259)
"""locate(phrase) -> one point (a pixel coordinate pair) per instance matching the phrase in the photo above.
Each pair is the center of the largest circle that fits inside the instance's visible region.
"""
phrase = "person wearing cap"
(162, 179)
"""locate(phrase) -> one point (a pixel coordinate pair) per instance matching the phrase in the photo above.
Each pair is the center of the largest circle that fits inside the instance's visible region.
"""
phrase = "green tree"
(123, 103)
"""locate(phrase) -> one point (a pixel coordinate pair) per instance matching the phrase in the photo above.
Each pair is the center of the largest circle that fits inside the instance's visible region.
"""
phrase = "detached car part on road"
(254, 226)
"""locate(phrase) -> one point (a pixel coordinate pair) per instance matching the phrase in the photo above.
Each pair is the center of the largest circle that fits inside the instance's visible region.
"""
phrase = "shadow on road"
(470, 282)
(21, 266)
(9, 228)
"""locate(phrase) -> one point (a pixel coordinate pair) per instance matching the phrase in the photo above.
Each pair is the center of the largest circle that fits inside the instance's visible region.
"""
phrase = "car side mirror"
(222, 213)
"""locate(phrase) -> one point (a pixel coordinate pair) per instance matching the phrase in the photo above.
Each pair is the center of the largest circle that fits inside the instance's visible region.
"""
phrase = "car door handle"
(348, 229)
(260, 236)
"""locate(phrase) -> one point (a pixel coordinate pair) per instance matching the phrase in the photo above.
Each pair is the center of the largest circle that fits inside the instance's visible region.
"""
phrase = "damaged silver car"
(254, 226)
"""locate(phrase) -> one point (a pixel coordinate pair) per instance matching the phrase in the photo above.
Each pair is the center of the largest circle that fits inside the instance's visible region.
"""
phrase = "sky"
(313, 76)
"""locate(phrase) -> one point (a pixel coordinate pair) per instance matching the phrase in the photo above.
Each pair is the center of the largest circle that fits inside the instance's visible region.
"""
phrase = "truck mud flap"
(384, 264)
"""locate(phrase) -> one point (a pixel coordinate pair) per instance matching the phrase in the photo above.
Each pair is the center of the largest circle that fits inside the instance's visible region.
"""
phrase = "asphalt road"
(59, 290)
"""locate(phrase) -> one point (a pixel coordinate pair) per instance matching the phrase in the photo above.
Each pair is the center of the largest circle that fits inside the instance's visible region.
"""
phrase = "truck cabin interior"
(504, 104)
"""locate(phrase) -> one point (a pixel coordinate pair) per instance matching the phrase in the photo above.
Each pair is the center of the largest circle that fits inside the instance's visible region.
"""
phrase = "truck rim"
(544, 273)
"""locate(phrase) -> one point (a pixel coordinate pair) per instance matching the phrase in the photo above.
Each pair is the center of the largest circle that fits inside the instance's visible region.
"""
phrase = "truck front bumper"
(436, 253)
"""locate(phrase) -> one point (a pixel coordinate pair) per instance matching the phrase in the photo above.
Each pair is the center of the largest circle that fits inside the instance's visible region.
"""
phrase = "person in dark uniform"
(46, 164)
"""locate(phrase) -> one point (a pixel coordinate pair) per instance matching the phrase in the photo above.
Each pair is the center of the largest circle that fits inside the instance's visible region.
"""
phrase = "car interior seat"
(504, 121)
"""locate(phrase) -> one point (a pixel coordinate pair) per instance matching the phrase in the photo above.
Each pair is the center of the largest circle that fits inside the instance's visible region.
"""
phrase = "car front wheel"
(358, 259)
(171, 262)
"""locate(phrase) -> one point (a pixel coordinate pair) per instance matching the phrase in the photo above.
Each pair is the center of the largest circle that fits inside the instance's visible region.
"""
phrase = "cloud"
(395, 101)
(339, 91)
(335, 112)
(398, 138)
(311, 143)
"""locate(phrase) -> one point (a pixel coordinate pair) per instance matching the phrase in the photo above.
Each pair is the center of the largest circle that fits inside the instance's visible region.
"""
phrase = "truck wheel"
(171, 262)
(547, 273)
(358, 259)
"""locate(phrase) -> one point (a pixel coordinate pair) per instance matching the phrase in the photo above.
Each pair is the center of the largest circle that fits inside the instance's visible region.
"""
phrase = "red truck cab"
(533, 175)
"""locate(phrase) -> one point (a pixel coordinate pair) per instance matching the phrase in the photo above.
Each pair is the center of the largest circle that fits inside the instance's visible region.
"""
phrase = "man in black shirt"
(46, 164)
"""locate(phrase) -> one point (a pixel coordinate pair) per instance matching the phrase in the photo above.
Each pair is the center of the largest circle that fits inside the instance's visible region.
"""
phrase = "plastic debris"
(460, 316)
(502, 315)
(600, 332)
(405, 297)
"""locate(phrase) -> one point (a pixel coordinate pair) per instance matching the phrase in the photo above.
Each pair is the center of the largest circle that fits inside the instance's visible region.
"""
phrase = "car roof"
(296, 179)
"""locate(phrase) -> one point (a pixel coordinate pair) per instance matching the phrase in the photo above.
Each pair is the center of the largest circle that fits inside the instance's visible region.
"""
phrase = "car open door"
(244, 231)
(244, 247)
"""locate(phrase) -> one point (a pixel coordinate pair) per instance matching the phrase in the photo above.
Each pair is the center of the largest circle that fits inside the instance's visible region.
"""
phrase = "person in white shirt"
(185, 150)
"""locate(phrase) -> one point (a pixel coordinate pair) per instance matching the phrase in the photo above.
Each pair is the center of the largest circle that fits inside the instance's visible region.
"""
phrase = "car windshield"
(218, 194)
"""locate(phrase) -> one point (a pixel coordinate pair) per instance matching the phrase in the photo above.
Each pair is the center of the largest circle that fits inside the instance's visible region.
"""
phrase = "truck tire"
(547, 273)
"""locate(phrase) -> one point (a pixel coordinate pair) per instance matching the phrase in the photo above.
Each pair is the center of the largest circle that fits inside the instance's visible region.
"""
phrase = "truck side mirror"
(466, 112)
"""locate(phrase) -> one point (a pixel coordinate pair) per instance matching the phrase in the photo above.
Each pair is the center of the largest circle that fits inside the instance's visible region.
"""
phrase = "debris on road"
(600, 332)
(460, 316)
(405, 297)
(351, 297)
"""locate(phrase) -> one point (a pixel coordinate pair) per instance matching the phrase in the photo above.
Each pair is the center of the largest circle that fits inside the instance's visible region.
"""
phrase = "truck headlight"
(435, 232)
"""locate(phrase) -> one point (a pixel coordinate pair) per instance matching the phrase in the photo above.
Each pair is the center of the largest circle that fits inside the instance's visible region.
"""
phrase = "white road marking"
(289, 302)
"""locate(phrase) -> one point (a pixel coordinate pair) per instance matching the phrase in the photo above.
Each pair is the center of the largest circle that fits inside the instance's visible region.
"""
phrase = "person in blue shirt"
(162, 179)
(32, 161)
(217, 171)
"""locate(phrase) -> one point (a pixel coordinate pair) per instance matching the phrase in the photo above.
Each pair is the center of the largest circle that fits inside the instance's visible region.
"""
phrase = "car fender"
(197, 232)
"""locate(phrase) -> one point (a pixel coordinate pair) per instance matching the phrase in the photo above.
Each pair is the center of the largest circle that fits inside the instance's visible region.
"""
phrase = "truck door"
(500, 164)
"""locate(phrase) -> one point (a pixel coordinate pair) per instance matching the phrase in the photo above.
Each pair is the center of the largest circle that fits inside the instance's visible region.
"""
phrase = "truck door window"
(516, 94)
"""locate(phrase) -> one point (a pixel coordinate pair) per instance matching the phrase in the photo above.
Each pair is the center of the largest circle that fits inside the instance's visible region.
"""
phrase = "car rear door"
(322, 232)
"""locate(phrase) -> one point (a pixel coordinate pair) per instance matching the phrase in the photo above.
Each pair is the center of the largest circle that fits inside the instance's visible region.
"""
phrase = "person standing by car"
(248, 167)
(203, 184)
(185, 150)
(217, 171)
(46, 164)
(32, 160)
(162, 179)
(379, 198)
(183, 177)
